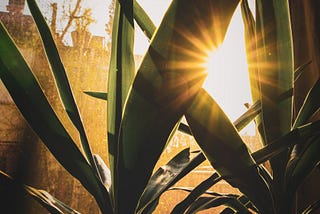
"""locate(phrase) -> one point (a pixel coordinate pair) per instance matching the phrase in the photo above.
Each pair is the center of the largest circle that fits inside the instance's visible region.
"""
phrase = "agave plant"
(166, 87)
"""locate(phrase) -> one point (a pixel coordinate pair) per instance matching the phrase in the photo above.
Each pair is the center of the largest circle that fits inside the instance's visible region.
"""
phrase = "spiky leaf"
(32, 103)
(61, 78)
(143, 20)
(99, 95)
(165, 85)
(168, 175)
(226, 151)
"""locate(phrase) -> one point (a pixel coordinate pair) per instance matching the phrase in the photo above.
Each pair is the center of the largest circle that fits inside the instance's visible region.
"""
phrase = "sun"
(227, 80)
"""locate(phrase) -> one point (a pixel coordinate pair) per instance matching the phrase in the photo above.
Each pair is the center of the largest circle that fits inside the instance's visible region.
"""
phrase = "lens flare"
(227, 68)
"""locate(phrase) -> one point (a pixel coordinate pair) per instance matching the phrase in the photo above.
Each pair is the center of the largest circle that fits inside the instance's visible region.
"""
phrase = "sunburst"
(227, 68)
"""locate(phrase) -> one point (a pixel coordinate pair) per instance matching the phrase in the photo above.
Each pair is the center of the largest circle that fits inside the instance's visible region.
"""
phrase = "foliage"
(167, 86)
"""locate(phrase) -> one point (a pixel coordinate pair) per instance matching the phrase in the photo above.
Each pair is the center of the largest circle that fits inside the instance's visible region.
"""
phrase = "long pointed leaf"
(199, 158)
(310, 105)
(312, 208)
(243, 199)
(259, 156)
(300, 69)
(99, 95)
(167, 176)
(196, 192)
(275, 65)
(252, 60)
(303, 164)
(190, 189)
(204, 203)
(143, 20)
(7, 184)
(120, 77)
(49, 202)
(290, 139)
(226, 151)
(251, 52)
(121, 73)
(166, 82)
(104, 171)
(32, 103)
(248, 116)
(44, 198)
(252, 112)
(275, 60)
(61, 79)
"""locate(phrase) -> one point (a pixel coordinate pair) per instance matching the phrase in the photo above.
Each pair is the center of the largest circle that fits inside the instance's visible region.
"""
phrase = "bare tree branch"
(71, 18)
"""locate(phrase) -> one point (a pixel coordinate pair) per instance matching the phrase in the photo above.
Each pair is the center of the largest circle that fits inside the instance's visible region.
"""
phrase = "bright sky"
(156, 10)
(227, 81)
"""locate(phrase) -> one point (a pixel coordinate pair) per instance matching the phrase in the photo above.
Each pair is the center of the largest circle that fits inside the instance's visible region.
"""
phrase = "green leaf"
(196, 192)
(166, 82)
(251, 49)
(227, 153)
(143, 20)
(46, 200)
(252, 60)
(168, 175)
(242, 199)
(312, 208)
(104, 171)
(245, 201)
(120, 77)
(259, 156)
(251, 113)
(99, 95)
(254, 111)
(283, 143)
(310, 105)
(151, 207)
(190, 189)
(12, 188)
(305, 161)
(204, 203)
(300, 69)
(239, 123)
(199, 158)
(275, 64)
(32, 103)
(61, 78)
